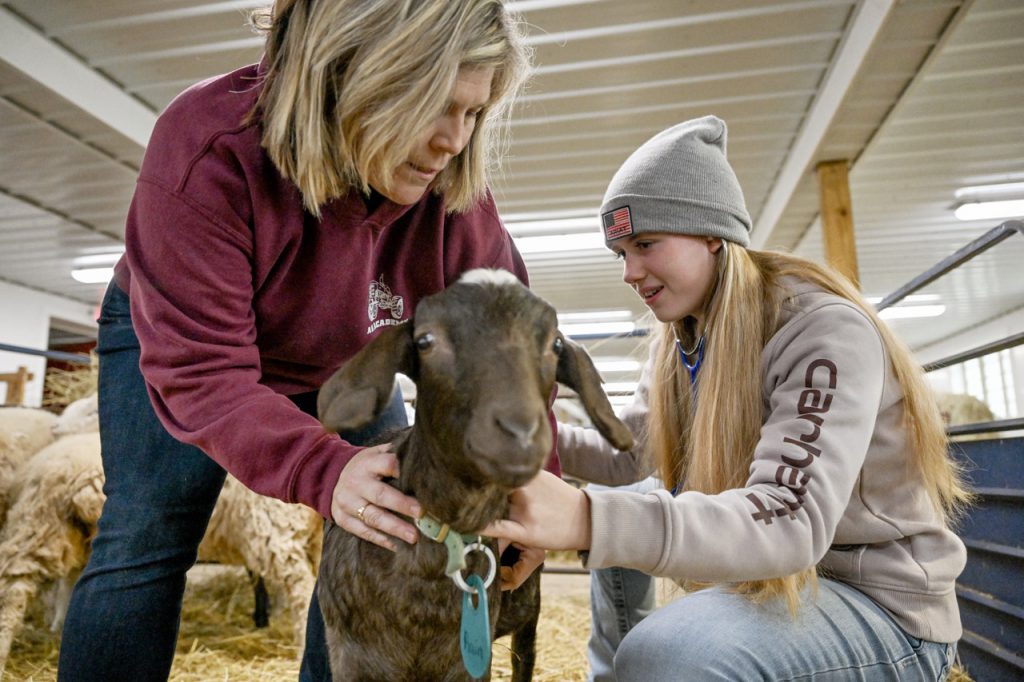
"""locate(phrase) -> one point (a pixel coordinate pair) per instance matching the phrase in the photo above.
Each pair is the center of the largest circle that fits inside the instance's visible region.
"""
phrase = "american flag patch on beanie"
(617, 224)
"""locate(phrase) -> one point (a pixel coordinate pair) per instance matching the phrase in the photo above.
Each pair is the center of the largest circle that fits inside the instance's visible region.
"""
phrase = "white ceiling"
(920, 96)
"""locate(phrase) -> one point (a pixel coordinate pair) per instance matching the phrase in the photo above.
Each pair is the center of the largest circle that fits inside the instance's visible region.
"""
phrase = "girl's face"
(444, 139)
(672, 273)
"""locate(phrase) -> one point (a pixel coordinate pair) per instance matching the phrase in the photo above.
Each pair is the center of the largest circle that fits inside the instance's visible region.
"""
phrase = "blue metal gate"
(991, 588)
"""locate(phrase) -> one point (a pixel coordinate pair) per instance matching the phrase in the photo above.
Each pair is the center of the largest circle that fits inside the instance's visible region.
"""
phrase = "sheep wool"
(23, 432)
(56, 499)
(277, 541)
(81, 416)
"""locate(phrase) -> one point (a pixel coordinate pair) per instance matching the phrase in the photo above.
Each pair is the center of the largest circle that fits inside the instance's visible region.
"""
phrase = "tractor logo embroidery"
(381, 298)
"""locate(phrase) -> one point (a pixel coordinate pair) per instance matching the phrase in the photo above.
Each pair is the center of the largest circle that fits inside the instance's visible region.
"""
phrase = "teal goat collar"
(453, 541)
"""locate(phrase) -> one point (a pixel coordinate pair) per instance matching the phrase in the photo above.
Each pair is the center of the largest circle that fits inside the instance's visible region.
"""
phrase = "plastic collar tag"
(475, 630)
(454, 542)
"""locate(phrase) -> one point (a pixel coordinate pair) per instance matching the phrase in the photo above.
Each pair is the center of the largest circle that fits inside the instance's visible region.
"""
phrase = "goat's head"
(485, 354)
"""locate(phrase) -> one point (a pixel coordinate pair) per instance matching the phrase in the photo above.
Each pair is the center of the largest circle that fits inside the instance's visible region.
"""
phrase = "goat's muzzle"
(509, 445)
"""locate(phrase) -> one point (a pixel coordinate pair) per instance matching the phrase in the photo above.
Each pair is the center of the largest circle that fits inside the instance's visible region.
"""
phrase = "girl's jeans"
(716, 635)
(619, 599)
(122, 622)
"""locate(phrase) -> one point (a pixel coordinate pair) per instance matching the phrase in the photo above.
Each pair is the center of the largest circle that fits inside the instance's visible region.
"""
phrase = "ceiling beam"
(865, 27)
(61, 72)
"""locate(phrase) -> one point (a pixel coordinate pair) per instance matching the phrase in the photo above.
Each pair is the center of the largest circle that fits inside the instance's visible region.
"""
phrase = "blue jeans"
(122, 622)
(619, 599)
(841, 635)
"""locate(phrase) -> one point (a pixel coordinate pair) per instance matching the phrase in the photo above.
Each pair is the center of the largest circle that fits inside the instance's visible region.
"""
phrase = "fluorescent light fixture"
(988, 202)
(913, 298)
(620, 400)
(592, 315)
(903, 312)
(1005, 190)
(98, 259)
(988, 210)
(562, 225)
(616, 365)
(548, 215)
(533, 5)
(93, 275)
(96, 268)
(620, 387)
(915, 305)
(584, 329)
(561, 243)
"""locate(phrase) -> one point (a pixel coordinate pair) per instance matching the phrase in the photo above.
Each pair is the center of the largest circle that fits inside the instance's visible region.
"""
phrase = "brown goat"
(485, 354)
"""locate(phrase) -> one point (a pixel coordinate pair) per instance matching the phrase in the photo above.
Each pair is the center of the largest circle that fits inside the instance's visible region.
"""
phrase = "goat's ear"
(576, 370)
(357, 393)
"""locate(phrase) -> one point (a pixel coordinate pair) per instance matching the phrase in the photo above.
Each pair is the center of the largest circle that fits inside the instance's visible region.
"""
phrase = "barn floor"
(218, 640)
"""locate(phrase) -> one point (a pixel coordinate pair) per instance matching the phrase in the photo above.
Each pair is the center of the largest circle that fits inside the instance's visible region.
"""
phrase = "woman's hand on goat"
(362, 503)
(546, 513)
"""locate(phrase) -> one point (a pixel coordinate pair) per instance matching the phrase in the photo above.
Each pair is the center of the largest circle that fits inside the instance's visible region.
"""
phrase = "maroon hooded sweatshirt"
(240, 297)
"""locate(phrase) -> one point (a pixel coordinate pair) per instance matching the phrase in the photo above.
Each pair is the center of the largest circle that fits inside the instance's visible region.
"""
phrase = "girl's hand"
(362, 502)
(546, 513)
(529, 559)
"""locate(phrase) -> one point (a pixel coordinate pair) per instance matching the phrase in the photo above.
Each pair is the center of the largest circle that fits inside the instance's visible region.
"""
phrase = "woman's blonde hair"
(351, 84)
(708, 447)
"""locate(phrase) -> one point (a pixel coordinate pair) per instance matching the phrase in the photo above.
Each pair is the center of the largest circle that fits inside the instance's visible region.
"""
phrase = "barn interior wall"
(25, 322)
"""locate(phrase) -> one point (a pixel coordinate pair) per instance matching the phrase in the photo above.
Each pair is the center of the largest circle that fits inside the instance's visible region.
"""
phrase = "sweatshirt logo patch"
(381, 298)
(794, 473)
(617, 223)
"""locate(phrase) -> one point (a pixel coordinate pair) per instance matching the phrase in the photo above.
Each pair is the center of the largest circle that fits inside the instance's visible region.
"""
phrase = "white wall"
(25, 321)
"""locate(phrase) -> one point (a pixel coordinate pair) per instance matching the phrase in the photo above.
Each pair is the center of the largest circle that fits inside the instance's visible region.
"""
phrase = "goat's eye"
(557, 346)
(424, 341)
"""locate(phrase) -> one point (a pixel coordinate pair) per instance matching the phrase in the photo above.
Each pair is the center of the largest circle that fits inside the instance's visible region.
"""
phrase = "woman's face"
(444, 139)
(672, 273)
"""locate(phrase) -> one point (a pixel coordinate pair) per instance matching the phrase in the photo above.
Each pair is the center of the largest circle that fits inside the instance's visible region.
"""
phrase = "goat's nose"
(519, 427)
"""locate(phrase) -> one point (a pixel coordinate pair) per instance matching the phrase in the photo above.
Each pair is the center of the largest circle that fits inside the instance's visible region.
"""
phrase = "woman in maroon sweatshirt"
(283, 215)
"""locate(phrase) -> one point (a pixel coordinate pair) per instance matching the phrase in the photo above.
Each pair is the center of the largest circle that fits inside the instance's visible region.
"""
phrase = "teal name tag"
(475, 630)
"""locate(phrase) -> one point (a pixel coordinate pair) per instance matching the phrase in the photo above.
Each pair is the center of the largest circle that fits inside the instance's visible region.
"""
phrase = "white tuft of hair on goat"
(489, 276)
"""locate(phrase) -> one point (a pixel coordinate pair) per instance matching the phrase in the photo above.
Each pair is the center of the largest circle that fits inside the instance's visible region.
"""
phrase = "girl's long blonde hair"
(708, 447)
(351, 84)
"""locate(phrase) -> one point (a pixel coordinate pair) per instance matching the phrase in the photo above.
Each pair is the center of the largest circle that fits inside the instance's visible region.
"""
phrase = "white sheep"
(81, 416)
(57, 497)
(23, 432)
(963, 408)
(277, 541)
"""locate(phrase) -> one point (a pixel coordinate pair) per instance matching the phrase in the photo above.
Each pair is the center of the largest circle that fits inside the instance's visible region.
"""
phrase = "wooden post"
(16, 385)
(837, 218)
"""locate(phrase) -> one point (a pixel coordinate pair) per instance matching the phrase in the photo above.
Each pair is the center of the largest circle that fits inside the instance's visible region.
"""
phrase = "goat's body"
(410, 629)
(396, 615)
(485, 355)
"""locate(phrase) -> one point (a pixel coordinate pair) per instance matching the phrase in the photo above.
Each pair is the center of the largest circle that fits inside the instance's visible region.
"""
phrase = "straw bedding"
(218, 640)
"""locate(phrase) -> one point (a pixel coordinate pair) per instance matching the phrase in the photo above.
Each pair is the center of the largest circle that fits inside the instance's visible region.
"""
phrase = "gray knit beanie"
(678, 181)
